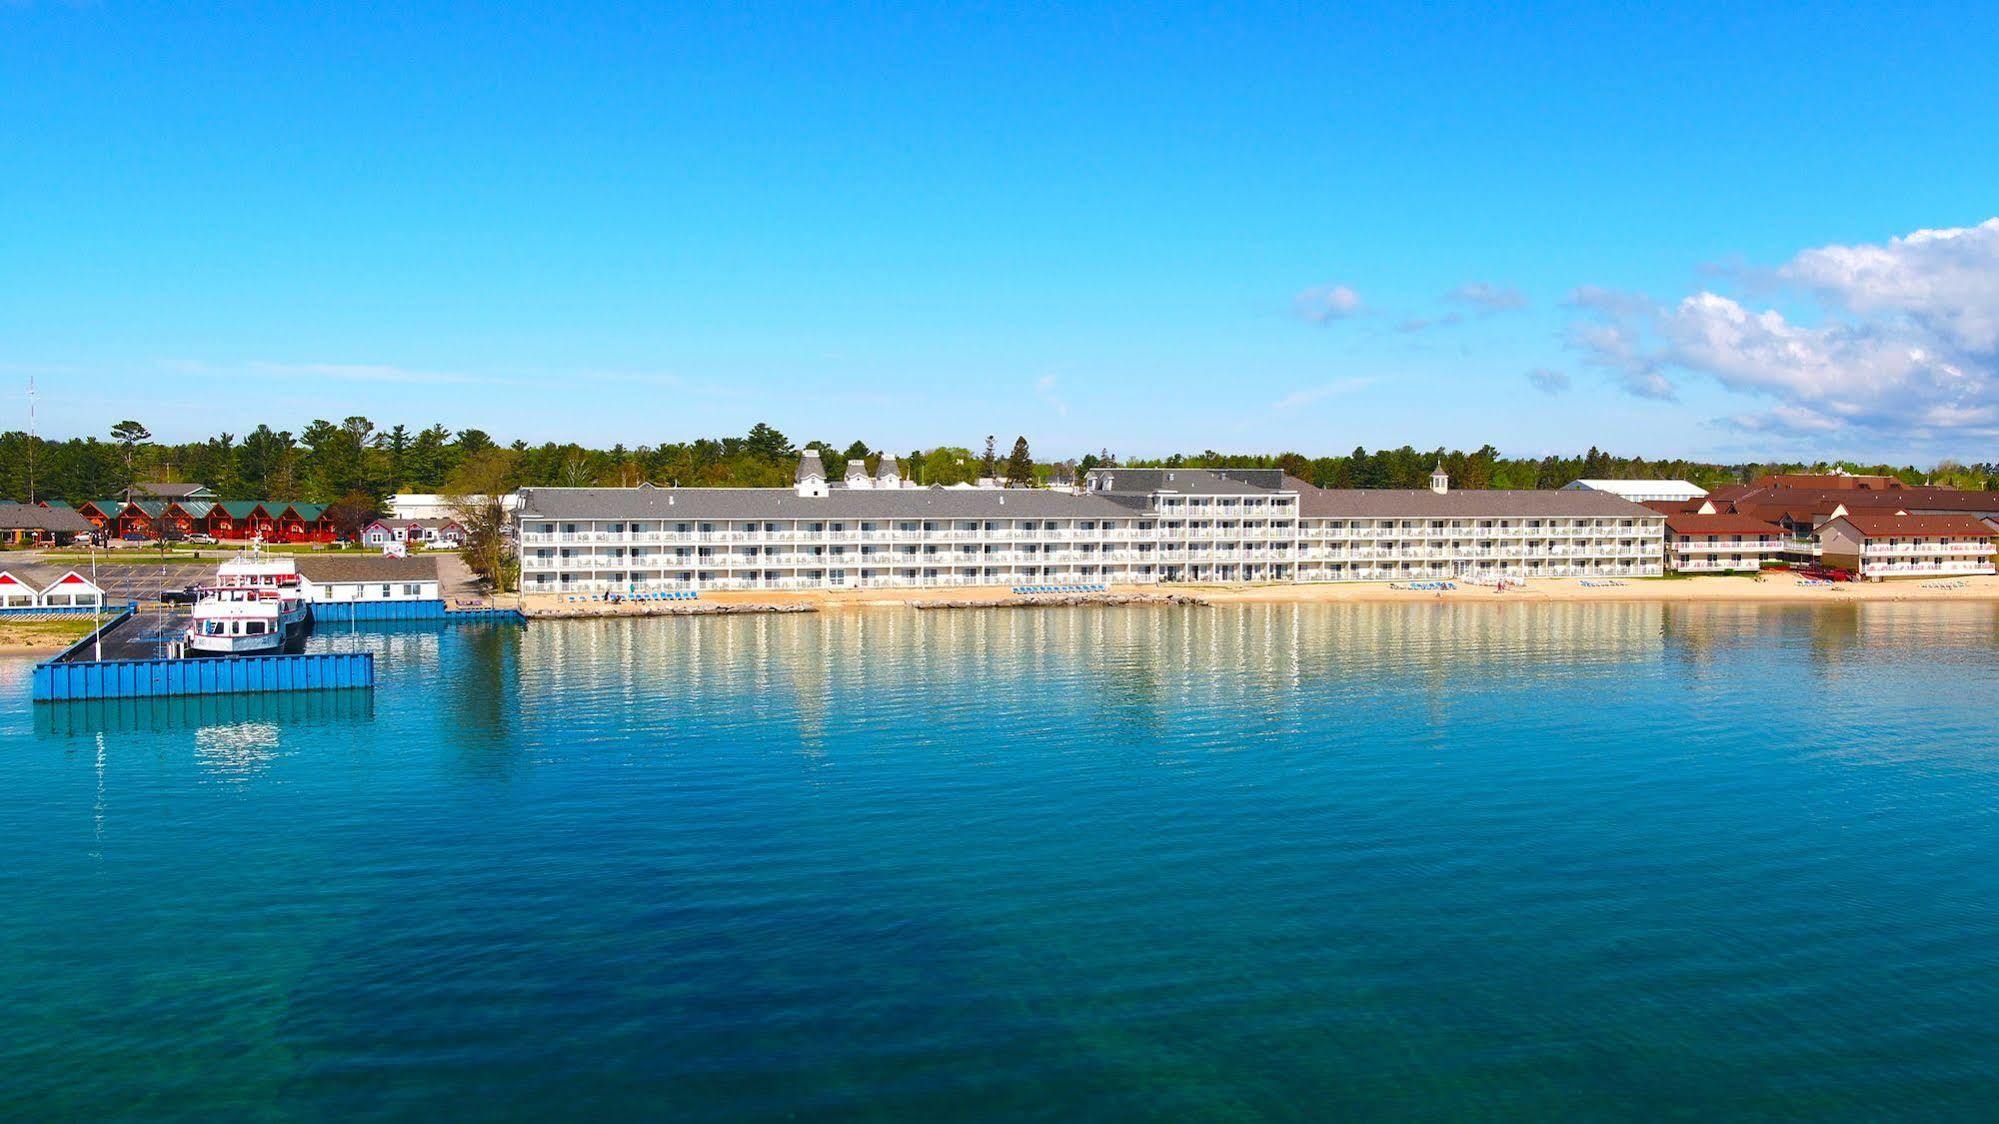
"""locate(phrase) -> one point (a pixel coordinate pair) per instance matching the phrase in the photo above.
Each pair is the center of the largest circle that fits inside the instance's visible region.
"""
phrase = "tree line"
(356, 463)
(1485, 467)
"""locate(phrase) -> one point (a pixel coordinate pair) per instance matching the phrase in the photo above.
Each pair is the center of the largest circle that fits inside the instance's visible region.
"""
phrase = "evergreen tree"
(131, 435)
(1019, 465)
(768, 444)
(989, 464)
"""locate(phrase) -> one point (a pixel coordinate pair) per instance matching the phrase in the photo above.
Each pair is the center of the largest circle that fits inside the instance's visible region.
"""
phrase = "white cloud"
(1044, 389)
(1945, 281)
(1324, 304)
(1301, 398)
(1906, 341)
(1488, 296)
(1548, 381)
(1620, 348)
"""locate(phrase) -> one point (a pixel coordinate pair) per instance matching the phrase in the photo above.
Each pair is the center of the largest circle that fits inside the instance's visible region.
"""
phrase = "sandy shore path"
(1776, 587)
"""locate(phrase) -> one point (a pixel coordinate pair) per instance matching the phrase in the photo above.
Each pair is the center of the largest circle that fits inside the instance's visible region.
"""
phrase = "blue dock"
(142, 679)
(137, 667)
(328, 612)
(73, 674)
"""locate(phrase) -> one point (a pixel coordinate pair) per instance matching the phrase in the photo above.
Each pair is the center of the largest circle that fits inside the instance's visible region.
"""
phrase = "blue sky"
(1149, 228)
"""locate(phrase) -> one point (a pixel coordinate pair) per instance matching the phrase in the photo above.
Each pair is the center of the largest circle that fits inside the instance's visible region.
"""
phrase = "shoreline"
(1778, 588)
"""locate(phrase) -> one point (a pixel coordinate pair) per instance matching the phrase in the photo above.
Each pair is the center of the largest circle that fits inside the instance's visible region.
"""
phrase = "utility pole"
(32, 439)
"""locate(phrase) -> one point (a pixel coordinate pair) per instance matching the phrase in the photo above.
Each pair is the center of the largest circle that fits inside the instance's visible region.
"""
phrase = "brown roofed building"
(28, 524)
(1721, 543)
(1875, 544)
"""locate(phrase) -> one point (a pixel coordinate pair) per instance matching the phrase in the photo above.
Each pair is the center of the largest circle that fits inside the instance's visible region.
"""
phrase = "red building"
(232, 520)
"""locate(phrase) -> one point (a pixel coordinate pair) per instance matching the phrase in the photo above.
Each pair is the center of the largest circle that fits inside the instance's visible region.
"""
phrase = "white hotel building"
(1124, 526)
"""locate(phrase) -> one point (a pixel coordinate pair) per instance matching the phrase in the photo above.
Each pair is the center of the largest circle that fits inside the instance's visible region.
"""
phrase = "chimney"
(1439, 482)
(811, 474)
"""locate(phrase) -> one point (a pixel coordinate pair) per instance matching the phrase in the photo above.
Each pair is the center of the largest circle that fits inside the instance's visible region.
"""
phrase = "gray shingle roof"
(1366, 503)
(164, 490)
(809, 465)
(1189, 481)
(366, 568)
(40, 575)
(842, 503)
(32, 517)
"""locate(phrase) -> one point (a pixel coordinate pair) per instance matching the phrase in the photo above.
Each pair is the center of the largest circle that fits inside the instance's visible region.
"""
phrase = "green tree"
(475, 492)
(131, 435)
(767, 444)
(1020, 465)
(395, 445)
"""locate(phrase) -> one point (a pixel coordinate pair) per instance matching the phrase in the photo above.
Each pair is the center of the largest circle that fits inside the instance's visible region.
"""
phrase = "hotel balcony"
(1948, 566)
(1924, 550)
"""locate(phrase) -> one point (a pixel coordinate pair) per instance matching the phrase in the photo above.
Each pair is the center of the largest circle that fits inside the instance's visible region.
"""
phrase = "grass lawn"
(51, 635)
(141, 555)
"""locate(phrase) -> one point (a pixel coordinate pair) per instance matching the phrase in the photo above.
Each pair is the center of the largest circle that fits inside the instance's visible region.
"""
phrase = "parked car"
(179, 596)
(200, 540)
(135, 536)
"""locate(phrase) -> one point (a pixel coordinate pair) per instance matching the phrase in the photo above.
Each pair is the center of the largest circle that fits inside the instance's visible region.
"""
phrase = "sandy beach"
(1776, 587)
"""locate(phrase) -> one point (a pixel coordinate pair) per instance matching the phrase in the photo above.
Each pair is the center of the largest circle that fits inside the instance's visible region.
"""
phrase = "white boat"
(255, 608)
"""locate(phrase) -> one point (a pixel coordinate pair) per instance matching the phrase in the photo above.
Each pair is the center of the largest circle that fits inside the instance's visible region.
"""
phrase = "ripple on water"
(1262, 860)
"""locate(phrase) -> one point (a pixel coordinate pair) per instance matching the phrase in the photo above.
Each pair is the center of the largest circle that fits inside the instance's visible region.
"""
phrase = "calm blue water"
(1604, 861)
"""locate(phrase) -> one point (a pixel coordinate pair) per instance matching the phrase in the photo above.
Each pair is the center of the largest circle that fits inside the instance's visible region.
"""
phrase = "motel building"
(1395, 535)
(1719, 544)
(37, 587)
(1891, 545)
(1124, 525)
(414, 532)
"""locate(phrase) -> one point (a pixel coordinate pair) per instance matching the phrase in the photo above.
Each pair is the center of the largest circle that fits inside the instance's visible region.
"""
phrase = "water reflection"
(91, 717)
(239, 750)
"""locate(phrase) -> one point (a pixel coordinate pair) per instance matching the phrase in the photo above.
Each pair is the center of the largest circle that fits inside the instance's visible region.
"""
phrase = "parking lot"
(127, 581)
(131, 581)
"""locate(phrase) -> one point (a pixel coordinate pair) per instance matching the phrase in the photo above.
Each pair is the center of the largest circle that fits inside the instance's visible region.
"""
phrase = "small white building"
(368, 577)
(431, 505)
(47, 587)
(1642, 491)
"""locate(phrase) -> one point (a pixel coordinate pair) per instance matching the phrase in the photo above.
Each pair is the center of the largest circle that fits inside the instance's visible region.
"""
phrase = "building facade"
(24, 587)
(414, 532)
(1803, 507)
(1875, 545)
(344, 579)
(233, 520)
(430, 505)
(30, 524)
(1122, 526)
(1720, 544)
